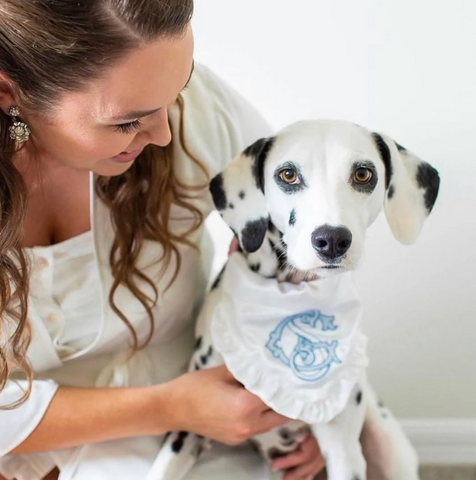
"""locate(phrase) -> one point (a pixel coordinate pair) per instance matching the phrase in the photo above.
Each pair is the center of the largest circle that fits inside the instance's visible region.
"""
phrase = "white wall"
(408, 68)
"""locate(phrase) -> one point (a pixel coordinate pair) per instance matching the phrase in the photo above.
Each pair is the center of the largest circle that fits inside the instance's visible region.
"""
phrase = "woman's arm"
(77, 416)
(208, 402)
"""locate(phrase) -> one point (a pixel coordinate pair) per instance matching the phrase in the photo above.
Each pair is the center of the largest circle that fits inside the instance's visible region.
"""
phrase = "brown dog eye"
(363, 175)
(288, 175)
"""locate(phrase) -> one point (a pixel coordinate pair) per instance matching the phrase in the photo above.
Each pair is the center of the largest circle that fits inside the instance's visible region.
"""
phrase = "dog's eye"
(363, 175)
(289, 176)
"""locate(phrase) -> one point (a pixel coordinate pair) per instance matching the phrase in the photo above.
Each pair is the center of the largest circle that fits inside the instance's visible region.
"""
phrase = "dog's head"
(322, 183)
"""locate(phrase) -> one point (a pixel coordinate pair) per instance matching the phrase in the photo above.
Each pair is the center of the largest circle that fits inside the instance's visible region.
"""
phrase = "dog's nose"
(331, 243)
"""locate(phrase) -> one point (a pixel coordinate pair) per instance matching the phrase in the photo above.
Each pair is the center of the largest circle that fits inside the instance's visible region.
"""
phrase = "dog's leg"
(389, 453)
(339, 440)
(177, 456)
(181, 450)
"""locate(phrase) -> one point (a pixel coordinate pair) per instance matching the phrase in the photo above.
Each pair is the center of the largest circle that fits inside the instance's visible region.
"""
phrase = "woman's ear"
(238, 194)
(7, 93)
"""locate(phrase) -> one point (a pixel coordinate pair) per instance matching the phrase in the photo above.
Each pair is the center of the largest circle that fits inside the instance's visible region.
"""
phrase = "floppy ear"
(238, 194)
(411, 189)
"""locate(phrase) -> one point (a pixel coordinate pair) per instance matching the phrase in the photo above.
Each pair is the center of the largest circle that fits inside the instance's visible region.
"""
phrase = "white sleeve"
(17, 424)
(242, 122)
(218, 122)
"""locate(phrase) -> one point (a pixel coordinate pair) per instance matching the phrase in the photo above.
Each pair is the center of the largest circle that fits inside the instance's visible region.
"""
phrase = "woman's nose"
(159, 132)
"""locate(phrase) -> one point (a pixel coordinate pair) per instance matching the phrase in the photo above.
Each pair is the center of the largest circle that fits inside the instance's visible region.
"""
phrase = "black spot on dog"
(400, 148)
(428, 179)
(287, 437)
(284, 433)
(210, 351)
(198, 343)
(230, 205)
(218, 192)
(288, 443)
(255, 267)
(381, 404)
(259, 151)
(197, 366)
(204, 359)
(358, 397)
(177, 445)
(391, 192)
(356, 477)
(274, 453)
(292, 218)
(253, 234)
(242, 195)
(384, 151)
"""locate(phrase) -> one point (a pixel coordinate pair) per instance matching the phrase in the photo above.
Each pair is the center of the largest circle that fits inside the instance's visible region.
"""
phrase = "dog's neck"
(271, 260)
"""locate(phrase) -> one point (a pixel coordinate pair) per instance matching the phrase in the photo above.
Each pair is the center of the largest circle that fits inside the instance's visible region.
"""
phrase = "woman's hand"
(213, 404)
(302, 464)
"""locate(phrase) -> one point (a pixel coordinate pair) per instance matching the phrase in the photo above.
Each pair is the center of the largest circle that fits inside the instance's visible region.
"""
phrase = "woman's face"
(104, 128)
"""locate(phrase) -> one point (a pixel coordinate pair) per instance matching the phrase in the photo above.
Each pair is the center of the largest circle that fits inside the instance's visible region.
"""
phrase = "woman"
(103, 168)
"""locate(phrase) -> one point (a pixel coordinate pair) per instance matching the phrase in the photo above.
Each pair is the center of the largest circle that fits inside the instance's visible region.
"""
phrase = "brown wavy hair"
(51, 47)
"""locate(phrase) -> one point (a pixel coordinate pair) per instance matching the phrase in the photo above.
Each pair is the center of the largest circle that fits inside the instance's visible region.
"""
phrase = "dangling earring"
(19, 131)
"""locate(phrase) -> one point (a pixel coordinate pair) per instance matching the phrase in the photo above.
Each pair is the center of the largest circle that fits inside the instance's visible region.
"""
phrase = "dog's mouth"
(332, 267)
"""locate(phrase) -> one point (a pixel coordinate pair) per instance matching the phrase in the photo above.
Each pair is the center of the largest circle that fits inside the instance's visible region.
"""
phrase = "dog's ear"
(238, 194)
(411, 189)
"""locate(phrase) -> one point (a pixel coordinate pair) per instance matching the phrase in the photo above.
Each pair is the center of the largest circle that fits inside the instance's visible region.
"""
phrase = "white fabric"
(61, 271)
(302, 343)
(87, 353)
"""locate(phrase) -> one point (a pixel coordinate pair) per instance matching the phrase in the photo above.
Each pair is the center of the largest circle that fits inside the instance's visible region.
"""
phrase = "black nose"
(331, 243)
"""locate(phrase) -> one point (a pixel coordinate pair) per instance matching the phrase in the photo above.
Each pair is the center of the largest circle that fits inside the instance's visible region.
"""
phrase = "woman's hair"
(49, 48)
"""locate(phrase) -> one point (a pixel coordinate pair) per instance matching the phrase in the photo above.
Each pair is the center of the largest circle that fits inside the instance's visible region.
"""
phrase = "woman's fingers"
(305, 461)
(305, 472)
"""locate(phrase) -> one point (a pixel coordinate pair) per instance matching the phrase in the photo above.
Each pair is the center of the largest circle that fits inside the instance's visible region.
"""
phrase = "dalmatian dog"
(299, 204)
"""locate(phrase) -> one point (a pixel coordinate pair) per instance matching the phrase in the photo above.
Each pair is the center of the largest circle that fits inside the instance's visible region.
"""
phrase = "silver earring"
(19, 131)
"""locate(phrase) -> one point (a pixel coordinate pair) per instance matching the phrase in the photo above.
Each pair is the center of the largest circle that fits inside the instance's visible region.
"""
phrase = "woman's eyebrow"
(135, 114)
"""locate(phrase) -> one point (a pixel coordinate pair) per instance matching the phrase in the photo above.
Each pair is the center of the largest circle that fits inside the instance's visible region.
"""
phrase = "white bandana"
(298, 347)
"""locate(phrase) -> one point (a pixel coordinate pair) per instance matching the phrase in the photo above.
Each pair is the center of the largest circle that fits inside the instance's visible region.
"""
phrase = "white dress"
(79, 341)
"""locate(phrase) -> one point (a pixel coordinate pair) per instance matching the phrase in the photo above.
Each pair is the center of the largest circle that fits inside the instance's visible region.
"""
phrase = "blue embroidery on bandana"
(295, 342)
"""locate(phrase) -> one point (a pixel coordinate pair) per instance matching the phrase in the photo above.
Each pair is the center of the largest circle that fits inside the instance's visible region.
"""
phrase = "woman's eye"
(289, 176)
(363, 175)
(130, 127)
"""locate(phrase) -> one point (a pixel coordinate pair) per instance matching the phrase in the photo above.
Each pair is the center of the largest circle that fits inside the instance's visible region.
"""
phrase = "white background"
(407, 68)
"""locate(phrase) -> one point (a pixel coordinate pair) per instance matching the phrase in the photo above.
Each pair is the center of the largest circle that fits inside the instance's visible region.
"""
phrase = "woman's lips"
(125, 157)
